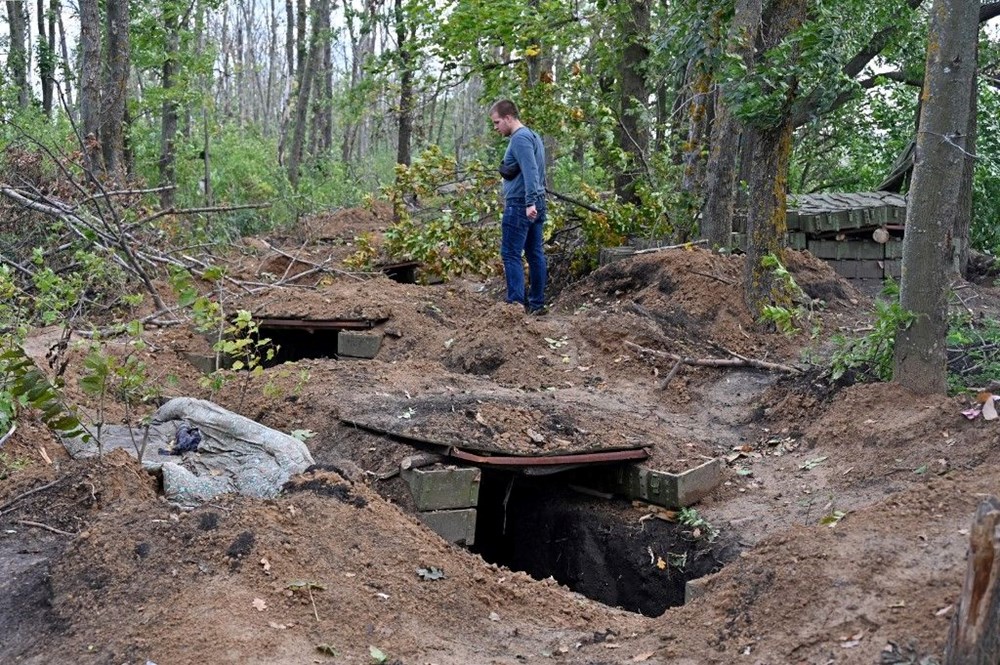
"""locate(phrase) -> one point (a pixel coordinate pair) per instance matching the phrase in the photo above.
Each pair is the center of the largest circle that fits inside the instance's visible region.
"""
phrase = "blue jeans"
(522, 236)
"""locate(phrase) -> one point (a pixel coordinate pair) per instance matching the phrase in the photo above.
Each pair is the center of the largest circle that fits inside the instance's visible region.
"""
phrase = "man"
(523, 171)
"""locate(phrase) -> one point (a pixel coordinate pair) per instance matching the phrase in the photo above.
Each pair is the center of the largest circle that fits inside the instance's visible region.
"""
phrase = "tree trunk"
(115, 87)
(766, 225)
(326, 96)
(973, 638)
(67, 78)
(290, 37)
(963, 220)
(302, 102)
(771, 146)
(303, 42)
(720, 179)
(17, 54)
(939, 160)
(46, 52)
(168, 121)
(90, 84)
(633, 96)
(405, 115)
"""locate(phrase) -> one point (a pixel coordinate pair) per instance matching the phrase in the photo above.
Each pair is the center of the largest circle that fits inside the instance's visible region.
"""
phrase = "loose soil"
(95, 566)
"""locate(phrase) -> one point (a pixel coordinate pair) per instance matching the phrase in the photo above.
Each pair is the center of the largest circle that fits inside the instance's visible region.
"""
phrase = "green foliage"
(23, 385)
(9, 465)
(451, 236)
(870, 356)
(973, 351)
(690, 518)
(786, 319)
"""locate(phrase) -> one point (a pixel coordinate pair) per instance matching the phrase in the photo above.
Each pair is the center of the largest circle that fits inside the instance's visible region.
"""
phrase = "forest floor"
(838, 535)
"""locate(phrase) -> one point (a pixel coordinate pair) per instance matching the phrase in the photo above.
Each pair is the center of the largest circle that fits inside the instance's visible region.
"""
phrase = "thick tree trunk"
(633, 96)
(974, 638)
(168, 120)
(17, 53)
(115, 87)
(766, 225)
(939, 160)
(720, 179)
(90, 84)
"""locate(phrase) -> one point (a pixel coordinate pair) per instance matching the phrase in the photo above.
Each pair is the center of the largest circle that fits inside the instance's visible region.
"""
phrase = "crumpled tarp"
(236, 454)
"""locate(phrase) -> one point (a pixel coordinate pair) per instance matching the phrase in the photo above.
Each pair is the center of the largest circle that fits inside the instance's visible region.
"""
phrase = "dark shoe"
(538, 311)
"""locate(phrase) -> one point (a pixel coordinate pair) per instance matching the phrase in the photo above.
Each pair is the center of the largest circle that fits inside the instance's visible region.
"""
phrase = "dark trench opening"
(299, 343)
(595, 546)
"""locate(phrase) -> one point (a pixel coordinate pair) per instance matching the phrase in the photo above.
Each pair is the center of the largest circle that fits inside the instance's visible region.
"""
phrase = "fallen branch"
(576, 202)
(25, 495)
(316, 266)
(3, 439)
(716, 277)
(736, 361)
(680, 246)
(198, 211)
(671, 374)
(39, 525)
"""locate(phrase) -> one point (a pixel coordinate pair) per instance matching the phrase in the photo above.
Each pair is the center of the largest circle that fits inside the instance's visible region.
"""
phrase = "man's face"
(501, 124)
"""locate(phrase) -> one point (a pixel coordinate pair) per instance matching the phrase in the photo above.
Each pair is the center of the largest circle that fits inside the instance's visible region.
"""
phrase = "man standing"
(523, 171)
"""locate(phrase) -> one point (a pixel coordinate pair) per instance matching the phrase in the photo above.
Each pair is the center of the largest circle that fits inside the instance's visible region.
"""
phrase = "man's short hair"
(505, 108)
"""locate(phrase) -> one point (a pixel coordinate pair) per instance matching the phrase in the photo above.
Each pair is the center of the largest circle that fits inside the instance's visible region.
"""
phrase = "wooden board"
(505, 422)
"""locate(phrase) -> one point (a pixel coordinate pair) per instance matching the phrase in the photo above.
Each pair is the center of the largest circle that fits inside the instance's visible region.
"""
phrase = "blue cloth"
(522, 236)
(527, 151)
(186, 440)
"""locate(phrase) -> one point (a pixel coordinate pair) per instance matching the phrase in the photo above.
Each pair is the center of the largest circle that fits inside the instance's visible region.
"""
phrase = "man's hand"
(531, 212)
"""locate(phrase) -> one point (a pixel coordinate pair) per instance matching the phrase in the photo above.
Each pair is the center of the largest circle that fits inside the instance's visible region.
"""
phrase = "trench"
(595, 546)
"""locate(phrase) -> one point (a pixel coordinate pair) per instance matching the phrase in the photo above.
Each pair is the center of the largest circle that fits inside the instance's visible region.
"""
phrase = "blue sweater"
(526, 150)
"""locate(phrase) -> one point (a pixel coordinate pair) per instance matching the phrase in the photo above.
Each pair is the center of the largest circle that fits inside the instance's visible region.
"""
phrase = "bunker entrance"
(295, 343)
(299, 339)
(596, 546)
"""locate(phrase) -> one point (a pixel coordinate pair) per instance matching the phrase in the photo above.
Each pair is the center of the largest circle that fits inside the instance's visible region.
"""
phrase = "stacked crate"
(859, 234)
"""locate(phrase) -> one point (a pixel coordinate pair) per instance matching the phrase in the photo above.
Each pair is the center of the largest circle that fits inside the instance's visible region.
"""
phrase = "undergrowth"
(973, 347)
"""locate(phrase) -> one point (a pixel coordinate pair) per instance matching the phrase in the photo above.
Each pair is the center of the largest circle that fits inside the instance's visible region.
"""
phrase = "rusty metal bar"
(550, 460)
(318, 324)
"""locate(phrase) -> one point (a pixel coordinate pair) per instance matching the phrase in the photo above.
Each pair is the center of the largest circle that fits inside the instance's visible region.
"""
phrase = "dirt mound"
(347, 223)
(329, 564)
(820, 594)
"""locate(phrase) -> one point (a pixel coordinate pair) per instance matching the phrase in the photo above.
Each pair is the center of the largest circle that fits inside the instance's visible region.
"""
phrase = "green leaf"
(378, 656)
(813, 463)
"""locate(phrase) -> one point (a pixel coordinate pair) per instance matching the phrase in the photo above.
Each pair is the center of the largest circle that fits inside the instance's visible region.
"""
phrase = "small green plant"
(871, 356)
(699, 526)
(125, 380)
(245, 351)
(783, 318)
(23, 385)
(9, 465)
(973, 352)
(451, 233)
(787, 319)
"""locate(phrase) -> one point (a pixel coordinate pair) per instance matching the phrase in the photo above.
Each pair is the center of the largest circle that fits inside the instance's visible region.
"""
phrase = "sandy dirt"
(96, 567)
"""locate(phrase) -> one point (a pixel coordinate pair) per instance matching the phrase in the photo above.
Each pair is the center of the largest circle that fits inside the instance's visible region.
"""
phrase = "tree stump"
(974, 638)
